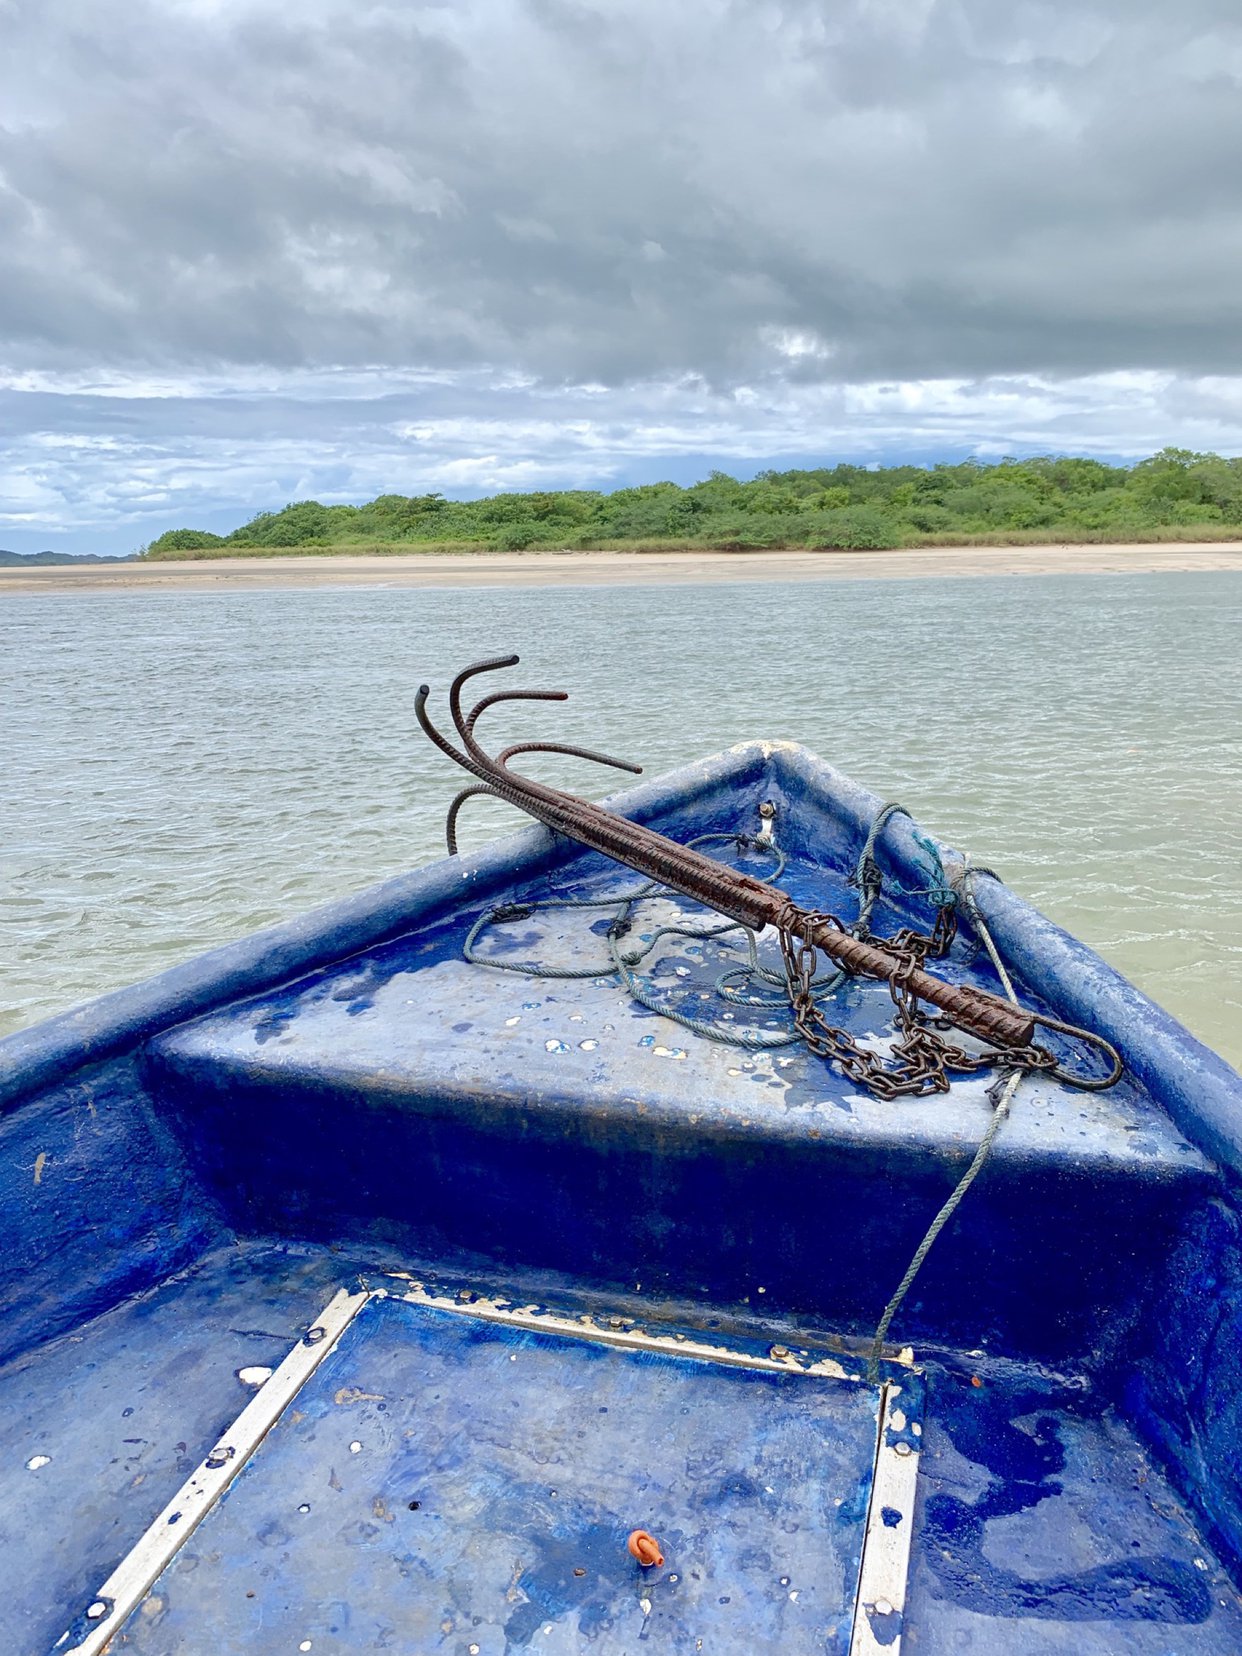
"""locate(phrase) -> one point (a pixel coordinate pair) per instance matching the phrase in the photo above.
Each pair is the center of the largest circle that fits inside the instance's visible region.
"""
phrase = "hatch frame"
(883, 1570)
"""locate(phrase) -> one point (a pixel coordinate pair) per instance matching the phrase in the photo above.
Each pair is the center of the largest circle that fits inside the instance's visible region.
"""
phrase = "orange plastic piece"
(645, 1548)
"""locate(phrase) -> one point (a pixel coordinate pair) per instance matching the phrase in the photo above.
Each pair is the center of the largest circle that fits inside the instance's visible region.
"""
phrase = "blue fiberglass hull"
(359, 1298)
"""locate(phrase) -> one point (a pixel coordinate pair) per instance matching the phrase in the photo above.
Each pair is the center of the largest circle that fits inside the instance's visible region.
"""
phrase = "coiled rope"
(622, 964)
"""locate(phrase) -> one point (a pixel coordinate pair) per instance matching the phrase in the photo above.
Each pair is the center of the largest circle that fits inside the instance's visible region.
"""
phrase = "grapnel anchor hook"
(922, 1058)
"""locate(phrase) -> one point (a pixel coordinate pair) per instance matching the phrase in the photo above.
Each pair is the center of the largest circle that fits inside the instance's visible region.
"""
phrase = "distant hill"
(10, 560)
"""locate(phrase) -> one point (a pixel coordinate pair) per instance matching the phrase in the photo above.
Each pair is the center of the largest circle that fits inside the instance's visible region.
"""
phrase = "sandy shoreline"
(618, 568)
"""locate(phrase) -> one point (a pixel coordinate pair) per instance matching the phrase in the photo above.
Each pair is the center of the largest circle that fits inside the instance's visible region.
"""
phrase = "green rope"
(870, 881)
(867, 876)
(735, 985)
(1000, 1113)
(623, 963)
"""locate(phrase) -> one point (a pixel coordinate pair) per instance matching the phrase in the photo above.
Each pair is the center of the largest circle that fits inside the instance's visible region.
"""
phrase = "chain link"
(921, 1060)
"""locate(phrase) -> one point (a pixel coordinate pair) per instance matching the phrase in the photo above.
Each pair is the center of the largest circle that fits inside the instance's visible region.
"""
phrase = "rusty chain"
(921, 1060)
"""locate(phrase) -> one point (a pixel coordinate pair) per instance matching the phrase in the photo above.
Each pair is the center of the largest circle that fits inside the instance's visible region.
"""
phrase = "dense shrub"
(855, 529)
(185, 540)
(1053, 497)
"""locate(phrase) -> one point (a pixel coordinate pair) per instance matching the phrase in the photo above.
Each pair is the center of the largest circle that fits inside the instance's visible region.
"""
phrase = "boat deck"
(454, 1476)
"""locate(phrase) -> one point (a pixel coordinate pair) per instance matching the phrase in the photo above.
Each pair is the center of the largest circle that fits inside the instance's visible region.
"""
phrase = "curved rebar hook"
(1077, 1078)
(511, 695)
(492, 665)
(442, 742)
(569, 751)
(506, 754)
(454, 810)
(495, 777)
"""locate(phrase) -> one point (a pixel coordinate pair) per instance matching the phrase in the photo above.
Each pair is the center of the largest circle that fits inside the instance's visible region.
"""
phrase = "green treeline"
(1172, 495)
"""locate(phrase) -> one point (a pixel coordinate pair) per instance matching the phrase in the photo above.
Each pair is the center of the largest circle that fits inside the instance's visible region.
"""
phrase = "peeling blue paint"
(886, 1625)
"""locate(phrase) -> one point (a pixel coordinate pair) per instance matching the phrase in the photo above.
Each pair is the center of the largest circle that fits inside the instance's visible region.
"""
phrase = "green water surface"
(182, 768)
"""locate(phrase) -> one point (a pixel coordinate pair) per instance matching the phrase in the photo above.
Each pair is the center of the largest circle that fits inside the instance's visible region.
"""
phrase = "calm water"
(183, 768)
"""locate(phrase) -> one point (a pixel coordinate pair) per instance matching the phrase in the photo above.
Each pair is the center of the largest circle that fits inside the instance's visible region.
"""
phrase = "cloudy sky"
(253, 252)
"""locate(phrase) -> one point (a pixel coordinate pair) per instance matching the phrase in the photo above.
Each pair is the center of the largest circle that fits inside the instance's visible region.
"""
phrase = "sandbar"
(525, 569)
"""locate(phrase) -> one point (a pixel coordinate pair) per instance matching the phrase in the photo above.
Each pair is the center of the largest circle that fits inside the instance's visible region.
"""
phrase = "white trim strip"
(780, 1359)
(880, 1605)
(136, 1573)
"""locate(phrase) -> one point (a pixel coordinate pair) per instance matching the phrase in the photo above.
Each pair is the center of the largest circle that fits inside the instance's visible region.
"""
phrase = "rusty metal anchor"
(755, 904)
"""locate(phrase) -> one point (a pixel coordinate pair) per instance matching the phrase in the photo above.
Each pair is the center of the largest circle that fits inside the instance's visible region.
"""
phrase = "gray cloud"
(603, 192)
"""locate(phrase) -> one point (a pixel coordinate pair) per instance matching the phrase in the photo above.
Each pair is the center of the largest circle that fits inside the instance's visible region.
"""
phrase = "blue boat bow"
(359, 1295)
